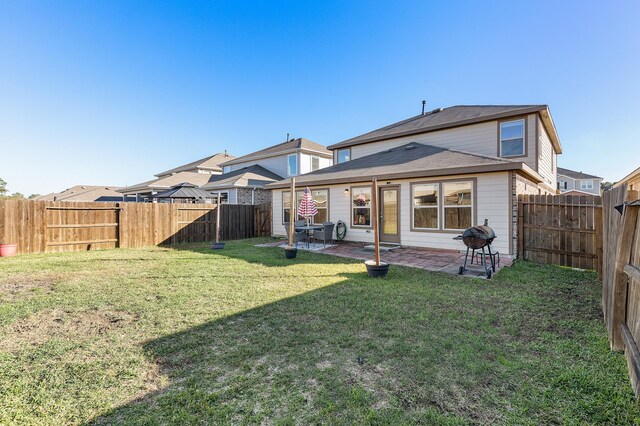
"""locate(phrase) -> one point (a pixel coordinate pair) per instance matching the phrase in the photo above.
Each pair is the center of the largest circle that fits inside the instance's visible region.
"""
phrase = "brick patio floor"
(448, 261)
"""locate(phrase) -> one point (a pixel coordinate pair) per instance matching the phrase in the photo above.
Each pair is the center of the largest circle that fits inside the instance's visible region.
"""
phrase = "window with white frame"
(343, 155)
(586, 184)
(292, 161)
(512, 138)
(315, 163)
(224, 197)
(457, 204)
(361, 206)
(226, 169)
(320, 197)
(425, 205)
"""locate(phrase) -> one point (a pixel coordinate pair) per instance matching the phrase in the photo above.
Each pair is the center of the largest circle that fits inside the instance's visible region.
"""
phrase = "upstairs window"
(343, 155)
(512, 138)
(315, 163)
(293, 164)
(226, 169)
(586, 184)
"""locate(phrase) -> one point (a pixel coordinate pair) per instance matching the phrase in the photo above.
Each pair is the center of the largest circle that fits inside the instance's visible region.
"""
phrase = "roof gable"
(211, 162)
(281, 148)
(444, 118)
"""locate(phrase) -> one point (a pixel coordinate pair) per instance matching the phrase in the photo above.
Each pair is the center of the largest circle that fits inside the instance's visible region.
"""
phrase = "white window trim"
(524, 138)
(311, 162)
(586, 184)
(338, 155)
(414, 207)
(289, 165)
(353, 216)
(444, 221)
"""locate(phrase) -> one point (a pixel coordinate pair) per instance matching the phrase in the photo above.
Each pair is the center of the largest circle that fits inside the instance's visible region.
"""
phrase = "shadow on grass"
(415, 347)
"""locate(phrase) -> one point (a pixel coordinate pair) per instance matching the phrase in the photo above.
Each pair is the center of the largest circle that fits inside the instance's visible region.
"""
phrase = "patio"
(447, 261)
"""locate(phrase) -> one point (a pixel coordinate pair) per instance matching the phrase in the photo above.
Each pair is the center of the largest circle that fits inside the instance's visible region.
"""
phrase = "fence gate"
(561, 230)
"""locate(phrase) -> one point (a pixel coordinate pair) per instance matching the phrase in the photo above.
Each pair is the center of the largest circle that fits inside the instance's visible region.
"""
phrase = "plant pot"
(217, 246)
(290, 252)
(376, 270)
(8, 250)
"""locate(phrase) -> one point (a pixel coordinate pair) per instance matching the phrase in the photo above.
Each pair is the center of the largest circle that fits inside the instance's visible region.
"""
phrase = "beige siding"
(547, 158)
(493, 203)
(277, 165)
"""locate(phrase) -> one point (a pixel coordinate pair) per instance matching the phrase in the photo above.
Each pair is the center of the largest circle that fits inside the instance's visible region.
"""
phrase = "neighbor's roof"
(184, 190)
(211, 162)
(406, 161)
(253, 176)
(167, 182)
(459, 115)
(86, 193)
(281, 148)
(576, 175)
(631, 176)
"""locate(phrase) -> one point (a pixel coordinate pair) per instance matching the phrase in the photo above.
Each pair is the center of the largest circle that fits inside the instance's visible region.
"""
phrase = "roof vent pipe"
(424, 103)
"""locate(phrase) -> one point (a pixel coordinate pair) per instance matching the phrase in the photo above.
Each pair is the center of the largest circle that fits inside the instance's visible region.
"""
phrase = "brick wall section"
(260, 196)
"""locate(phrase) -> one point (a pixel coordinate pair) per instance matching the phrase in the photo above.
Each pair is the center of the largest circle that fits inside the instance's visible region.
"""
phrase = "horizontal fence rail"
(561, 230)
(48, 226)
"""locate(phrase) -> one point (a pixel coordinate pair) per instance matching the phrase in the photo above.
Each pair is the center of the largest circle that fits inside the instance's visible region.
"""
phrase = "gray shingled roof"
(254, 175)
(576, 175)
(293, 144)
(211, 162)
(84, 193)
(167, 182)
(409, 160)
(184, 190)
(441, 119)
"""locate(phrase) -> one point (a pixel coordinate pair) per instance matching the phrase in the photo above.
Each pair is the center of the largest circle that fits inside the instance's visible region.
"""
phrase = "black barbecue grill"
(479, 238)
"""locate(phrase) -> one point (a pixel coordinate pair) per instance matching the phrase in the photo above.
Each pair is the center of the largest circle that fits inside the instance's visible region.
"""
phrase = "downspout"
(252, 196)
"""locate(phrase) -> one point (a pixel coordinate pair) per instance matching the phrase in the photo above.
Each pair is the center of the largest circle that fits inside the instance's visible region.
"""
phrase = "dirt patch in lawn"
(56, 323)
(16, 288)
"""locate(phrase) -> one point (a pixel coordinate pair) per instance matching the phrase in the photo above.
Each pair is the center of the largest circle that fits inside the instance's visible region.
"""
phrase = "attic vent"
(410, 147)
(436, 110)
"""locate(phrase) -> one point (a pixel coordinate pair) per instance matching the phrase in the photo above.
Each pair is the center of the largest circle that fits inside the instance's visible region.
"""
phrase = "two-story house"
(571, 182)
(243, 179)
(439, 173)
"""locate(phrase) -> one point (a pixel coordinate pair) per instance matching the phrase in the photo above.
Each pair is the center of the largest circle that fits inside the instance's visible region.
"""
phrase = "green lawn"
(187, 335)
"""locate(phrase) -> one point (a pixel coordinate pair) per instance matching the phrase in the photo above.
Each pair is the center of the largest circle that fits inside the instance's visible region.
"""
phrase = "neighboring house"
(632, 180)
(243, 186)
(145, 190)
(208, 165)
(439, 173)
(195, 173)
(571, 182)
(291, 158)
(184, 193)
(84, 193)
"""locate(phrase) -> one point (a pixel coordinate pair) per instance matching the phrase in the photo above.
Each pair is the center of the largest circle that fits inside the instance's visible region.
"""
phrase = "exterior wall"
(259, 196)
(519, 185)
(547, 157)
(233, 196)
(481, 138)
(280, 164)
(493, 202)
(277, 165)
(305, 162)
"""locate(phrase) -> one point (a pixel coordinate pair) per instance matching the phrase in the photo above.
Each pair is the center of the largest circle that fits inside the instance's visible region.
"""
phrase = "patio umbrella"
(307, 207)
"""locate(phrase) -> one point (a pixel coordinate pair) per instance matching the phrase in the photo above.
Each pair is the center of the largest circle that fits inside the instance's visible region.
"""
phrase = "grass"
(187, 335)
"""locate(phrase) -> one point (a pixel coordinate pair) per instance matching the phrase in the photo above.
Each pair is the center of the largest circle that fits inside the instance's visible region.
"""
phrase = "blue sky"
(111, 92)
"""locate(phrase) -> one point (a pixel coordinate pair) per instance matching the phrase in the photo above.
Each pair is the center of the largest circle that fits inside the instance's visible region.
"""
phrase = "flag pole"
(218, 219)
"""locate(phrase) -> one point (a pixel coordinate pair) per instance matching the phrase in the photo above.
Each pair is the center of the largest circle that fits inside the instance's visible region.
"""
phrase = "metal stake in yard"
(218, 219)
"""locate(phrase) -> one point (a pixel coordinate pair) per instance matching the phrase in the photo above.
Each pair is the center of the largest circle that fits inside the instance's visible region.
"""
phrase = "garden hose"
(341, 230)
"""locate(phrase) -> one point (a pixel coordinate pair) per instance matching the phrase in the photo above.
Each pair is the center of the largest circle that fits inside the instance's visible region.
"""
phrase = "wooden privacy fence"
(561, 230)
(46, 226)
(621, 276)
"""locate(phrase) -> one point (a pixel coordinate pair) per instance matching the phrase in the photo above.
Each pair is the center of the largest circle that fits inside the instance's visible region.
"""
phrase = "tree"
(3, 187)
(18, 195)
(32, 196)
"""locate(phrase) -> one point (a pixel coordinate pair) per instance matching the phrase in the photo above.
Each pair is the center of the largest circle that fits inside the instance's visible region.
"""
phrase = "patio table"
(308, 228)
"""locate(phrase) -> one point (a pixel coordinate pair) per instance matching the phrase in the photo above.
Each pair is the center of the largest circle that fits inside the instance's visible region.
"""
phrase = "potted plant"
(218, 245)
(376, 268)
(290, 251)
(8, 250)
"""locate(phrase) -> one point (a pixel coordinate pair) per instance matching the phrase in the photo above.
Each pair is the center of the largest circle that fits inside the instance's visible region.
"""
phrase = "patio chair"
(297, 236)
(325, 234)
